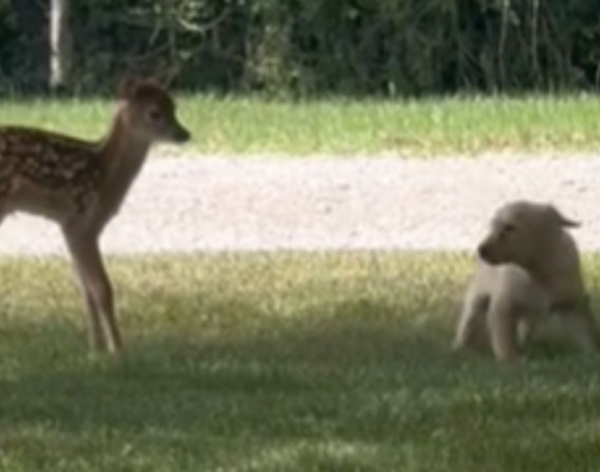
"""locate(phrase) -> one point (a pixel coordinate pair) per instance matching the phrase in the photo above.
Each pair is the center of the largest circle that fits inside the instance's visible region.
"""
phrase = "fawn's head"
(149, 111)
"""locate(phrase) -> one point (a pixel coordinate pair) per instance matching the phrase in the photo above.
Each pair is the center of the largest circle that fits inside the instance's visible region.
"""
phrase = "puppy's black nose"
(483, 251)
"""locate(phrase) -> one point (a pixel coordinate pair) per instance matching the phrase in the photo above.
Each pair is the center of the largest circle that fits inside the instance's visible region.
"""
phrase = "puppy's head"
(520, 232)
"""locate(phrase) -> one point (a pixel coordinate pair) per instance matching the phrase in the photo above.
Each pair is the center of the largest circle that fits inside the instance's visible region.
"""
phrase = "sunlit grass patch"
(345, 127)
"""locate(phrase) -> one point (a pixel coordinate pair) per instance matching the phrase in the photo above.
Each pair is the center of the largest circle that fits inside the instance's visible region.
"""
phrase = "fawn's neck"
(121, 155)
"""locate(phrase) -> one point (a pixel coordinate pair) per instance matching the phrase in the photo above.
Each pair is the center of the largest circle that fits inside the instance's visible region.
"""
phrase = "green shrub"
(303, 47)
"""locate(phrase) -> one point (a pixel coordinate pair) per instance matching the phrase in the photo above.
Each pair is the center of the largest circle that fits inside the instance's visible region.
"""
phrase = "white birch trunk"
(60, 44)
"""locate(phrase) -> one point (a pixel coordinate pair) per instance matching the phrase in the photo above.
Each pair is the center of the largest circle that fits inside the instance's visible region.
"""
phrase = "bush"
(303, 47)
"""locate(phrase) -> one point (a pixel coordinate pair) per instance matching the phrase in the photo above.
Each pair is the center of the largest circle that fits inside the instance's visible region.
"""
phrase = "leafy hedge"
(392, 47)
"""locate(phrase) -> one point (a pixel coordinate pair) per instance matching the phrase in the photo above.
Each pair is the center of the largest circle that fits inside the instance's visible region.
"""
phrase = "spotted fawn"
(80, 185)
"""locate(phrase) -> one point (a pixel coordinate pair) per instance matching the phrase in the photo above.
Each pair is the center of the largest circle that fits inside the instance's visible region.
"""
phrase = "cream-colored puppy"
(527, 286)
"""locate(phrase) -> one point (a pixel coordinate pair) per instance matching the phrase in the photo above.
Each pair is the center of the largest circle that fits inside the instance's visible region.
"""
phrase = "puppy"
(527, 285)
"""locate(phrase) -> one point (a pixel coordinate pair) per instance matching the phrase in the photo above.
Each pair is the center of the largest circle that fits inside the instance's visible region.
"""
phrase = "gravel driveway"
(249, 203)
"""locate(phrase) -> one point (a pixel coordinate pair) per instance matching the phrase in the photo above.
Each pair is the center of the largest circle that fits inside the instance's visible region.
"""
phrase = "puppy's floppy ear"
(561, 219)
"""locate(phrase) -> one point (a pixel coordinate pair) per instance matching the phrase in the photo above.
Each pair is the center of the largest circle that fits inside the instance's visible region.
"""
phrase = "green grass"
(285, 362)
(428, 127)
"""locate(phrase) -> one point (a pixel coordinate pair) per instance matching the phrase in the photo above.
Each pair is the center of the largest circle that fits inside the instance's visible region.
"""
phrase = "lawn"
(280, 362)
(347, 127)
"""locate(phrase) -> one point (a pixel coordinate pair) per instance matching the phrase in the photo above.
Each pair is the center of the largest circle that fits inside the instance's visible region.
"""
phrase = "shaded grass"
(279, 362)
(428, 127)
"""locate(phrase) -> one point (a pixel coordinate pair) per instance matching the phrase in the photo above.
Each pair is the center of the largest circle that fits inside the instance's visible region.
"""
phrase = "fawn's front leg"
(3, 213)
(87, 259)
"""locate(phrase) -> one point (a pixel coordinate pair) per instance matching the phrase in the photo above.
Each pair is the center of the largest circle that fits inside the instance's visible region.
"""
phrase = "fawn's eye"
(154, 114)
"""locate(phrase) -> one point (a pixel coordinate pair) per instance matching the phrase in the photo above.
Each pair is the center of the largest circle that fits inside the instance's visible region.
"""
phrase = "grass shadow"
(264, 369)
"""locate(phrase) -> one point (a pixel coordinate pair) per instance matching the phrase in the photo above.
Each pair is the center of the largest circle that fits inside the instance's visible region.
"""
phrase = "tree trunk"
(60, 44)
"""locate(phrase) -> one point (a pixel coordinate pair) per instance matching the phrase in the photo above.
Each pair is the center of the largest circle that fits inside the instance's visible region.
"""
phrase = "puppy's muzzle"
(486, 253)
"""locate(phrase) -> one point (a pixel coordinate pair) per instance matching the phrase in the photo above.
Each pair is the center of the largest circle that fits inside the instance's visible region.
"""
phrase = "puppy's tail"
(562, 219)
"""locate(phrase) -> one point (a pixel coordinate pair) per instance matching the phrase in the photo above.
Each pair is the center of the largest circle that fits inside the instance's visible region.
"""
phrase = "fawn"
(80, 185)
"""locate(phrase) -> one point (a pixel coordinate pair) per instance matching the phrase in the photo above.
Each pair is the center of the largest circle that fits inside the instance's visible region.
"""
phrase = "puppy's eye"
(509, 228)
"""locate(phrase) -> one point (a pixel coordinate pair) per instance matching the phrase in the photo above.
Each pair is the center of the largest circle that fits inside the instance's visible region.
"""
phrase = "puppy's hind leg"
(583, 329)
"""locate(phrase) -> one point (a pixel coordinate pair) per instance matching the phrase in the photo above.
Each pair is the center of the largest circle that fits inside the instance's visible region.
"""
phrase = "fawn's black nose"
(182, 135)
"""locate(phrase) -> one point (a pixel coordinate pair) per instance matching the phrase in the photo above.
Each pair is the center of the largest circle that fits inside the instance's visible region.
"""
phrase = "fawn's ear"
(131, 86)
(127, 87)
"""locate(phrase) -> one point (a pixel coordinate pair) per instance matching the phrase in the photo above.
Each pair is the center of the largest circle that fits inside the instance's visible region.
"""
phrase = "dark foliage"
(304, 47)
